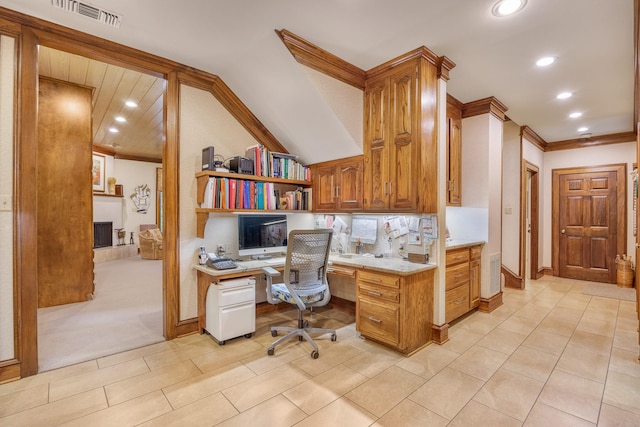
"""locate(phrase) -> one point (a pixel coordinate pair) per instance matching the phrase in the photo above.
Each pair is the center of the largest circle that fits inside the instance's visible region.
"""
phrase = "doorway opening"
(529, 222)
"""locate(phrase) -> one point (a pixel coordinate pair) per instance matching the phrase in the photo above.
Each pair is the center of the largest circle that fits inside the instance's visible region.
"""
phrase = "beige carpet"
(126, 313)
(609, 290)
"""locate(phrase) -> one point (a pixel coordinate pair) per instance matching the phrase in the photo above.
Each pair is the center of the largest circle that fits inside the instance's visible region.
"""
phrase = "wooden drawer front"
(340, 270)
(457, 302)
(379, 279)
(379, 321)
(457, 256)
(476, 251)
(457, 275)
(376, 292)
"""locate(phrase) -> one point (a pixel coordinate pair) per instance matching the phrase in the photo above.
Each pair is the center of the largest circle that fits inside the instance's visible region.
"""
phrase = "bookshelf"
(222, 186)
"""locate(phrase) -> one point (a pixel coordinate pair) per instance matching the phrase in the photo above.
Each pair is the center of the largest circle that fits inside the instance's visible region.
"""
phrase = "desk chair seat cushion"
(308, 296)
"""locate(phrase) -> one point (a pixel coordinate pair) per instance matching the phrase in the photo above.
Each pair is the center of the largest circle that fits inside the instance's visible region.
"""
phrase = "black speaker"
(208, 162)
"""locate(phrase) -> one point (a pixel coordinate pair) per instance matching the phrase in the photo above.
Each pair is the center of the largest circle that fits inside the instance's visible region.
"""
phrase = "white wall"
(130, 174)
(579, 157)
(203, 122)
(511, 163)
(7, 85)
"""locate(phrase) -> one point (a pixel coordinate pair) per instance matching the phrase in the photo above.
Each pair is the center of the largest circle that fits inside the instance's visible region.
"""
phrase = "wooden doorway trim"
(534, 171)
(621, 221)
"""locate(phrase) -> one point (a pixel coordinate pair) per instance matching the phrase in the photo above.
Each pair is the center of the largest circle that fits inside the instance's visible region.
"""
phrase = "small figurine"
(131, 239)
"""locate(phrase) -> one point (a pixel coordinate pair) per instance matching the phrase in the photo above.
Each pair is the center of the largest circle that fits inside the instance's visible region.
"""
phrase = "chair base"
(302, 332)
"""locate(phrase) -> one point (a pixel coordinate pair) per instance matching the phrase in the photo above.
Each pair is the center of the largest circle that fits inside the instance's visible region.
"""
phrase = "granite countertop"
(386, 265)
(460, 243)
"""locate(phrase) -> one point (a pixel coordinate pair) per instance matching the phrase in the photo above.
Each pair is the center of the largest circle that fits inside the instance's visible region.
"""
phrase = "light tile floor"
(550, 356)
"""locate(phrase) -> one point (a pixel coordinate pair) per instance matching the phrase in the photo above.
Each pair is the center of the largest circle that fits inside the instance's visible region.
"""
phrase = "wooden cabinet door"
(65, 200)
(403, 134)
(454, 162)
(474, 283)
(324, 188)
(350, 175)
(376, 145)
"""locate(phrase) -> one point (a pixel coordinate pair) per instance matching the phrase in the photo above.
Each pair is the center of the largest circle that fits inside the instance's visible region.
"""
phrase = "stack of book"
(231, 193)
(276, 165)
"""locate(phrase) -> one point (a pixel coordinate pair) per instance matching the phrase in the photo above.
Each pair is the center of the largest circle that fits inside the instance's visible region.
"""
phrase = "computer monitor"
(260, 235)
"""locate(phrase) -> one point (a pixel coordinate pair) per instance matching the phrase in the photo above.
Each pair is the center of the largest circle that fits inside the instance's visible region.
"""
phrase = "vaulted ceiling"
(591, 39)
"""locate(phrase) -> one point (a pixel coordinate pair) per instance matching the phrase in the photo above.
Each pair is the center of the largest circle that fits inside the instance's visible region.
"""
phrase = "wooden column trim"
(312, 56)
(487, 305)
(528, 133)
(444, 66)
(440, 333)
(26, 218)
(490, 105)
(9, 371)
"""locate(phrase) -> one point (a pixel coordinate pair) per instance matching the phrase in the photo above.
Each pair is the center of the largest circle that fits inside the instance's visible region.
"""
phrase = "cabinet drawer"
(378, 292)
(457, 275)
(457, 256)
(379, 279)
(457, 302)
(475, 252)
(379, 321)
(340, 270)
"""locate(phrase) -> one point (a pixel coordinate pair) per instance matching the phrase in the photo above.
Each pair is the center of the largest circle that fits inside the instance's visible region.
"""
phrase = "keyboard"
(221, 263)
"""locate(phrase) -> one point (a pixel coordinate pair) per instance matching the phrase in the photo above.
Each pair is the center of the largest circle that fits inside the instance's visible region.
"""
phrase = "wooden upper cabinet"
(337, 185)
(400, 149)
(454, 152)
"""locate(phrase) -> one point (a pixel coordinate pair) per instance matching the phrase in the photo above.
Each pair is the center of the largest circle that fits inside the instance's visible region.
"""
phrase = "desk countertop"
(386, 265)
(459, 243)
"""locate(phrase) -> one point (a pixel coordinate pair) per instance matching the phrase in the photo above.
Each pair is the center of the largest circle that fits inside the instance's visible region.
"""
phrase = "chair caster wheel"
(334, 337)
(300, 338)
(274, 333)
(249, 335)
(305, 324)
(270, 351)
(315, 354)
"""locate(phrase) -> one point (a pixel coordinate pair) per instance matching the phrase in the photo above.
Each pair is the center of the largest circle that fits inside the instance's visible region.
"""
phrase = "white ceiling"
(593, 40)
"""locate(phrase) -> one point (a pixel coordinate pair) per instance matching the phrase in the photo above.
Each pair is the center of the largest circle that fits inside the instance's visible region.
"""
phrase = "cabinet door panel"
(379, 320)
(404, 153)
(350, 190)
(376, 150)
(454, 172)
(324, 188)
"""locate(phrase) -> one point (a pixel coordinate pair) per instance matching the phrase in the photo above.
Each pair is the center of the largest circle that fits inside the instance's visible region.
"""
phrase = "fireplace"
(102, 234)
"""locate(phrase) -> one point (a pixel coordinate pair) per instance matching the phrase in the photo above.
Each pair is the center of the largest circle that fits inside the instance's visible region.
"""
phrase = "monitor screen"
(262, 234)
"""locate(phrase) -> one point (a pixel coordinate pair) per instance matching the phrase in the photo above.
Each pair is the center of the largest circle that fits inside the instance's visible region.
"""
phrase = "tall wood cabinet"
(454, 152)
(400, 150)
(337, 185)
(65, 201)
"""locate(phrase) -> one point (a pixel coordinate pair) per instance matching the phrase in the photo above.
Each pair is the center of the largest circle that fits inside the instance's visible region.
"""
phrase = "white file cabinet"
(231, 309)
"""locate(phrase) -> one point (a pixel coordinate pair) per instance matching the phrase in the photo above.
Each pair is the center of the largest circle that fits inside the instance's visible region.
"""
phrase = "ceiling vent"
(90, 11)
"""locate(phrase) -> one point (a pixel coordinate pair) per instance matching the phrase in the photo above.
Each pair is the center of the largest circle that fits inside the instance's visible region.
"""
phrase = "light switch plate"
(5, 203)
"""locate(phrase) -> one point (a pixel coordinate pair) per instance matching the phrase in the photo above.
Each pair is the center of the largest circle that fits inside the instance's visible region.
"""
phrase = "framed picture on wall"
(97, 173)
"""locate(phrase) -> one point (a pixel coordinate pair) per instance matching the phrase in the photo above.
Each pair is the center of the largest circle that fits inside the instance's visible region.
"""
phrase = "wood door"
(65, 201)
(350, 185)
(376, 149)
(590, 222)
(403, 133)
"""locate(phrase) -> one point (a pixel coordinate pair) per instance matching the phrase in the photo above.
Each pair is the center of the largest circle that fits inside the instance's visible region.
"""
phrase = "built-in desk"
(394, 297)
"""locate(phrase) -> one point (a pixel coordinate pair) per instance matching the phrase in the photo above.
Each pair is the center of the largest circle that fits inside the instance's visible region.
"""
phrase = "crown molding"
(444, 66)
(490, 105)
(534, 138)
(613, 138)
(420, 52)
(312, 56)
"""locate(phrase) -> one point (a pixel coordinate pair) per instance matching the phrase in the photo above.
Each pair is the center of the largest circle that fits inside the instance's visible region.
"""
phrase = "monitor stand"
(261, 257)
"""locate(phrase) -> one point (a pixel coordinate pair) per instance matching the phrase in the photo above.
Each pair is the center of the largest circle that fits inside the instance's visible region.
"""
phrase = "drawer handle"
(373, 279)
(375, 294)
(459, 276)
(458, 302)
(373, 319)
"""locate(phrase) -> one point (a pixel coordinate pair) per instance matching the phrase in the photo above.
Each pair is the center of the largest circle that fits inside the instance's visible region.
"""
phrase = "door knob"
(562, 231)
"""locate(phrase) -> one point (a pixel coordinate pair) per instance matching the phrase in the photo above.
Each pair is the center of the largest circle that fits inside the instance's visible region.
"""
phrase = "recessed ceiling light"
(507, 7)
(583, 129)
(575, 115)
(113, 130)
(564, 95)
(131, 104)
(547, 60)
(120, 119)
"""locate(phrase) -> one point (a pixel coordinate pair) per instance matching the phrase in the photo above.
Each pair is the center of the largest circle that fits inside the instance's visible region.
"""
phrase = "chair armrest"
(270, 271)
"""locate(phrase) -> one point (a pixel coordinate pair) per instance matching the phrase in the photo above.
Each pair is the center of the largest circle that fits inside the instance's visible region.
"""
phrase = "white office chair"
(304, 283)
